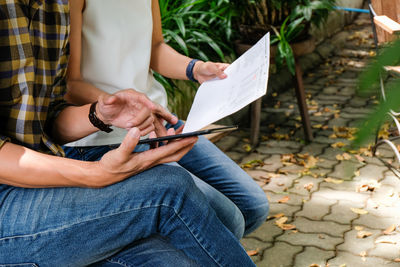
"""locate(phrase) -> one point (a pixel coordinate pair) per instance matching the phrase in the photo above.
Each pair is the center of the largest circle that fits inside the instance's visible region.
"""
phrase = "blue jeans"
(226, 210)
(238, 201)
(83, 226)
(219, 172)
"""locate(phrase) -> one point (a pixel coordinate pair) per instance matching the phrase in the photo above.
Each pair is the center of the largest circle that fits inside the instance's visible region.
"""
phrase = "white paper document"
(246, 82)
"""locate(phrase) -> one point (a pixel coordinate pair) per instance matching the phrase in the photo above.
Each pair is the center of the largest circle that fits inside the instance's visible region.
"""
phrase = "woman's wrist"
(191, 70)
(196, 69)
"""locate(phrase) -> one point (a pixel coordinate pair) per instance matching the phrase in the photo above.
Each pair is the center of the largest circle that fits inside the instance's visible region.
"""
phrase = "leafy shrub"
(198, 29)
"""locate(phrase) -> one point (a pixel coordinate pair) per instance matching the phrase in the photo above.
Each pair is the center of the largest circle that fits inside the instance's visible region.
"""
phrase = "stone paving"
(329, 205)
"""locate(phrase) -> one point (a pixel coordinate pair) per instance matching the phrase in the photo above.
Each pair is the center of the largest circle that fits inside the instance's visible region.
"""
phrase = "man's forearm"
(23, 167)
(72, 124)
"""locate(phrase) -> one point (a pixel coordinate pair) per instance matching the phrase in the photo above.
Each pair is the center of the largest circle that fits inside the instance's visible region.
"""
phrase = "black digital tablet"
(196, 133)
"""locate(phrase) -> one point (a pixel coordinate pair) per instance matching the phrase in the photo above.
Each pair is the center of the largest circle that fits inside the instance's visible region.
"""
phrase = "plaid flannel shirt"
(33, 61)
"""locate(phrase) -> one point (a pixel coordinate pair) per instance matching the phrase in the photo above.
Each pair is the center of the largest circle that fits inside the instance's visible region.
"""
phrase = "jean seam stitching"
(125, 211)
(120, 262)
(77, 223)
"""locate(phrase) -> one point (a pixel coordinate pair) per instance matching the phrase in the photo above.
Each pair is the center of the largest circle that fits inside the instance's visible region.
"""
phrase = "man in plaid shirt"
(62, 212)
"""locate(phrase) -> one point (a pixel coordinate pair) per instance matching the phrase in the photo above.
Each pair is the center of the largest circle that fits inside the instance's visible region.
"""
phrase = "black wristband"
(96, 121)
(189, 70)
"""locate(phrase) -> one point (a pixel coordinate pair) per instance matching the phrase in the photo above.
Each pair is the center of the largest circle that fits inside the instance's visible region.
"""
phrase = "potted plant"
(288, 21)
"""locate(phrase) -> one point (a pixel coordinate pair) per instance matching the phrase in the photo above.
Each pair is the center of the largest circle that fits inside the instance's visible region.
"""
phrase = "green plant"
(370, 83)
(198, 29)
(290, 20)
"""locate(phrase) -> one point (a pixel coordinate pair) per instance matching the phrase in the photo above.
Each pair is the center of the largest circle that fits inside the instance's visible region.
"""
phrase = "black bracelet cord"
(96, 121)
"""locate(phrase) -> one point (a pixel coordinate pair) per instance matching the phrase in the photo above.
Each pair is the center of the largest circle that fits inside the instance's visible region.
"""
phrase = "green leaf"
(181, 25)
(203, 37)
(181, 43)
(388, 57)
(294, 28)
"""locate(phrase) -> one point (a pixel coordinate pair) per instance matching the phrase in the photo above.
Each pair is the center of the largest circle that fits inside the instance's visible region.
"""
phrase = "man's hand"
(129, 108)
(121, 162)
(204, 71)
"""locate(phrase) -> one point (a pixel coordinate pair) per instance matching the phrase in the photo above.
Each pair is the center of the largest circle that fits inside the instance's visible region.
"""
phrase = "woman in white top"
(115, 45)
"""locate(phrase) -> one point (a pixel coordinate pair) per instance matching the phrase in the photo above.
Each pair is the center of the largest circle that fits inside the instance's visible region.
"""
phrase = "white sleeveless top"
(116, 51)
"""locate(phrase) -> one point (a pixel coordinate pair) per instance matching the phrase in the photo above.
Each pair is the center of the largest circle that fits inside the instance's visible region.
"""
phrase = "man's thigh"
(78, 225)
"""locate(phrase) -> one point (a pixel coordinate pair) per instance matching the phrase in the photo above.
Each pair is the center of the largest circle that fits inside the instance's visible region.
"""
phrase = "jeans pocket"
(19, 265)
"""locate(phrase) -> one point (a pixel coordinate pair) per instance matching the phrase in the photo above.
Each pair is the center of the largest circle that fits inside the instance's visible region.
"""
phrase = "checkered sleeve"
(59, 89)
(33, 63)
(3, 139)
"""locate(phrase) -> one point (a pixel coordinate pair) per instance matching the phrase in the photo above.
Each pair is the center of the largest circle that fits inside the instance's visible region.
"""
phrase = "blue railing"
(358, 10)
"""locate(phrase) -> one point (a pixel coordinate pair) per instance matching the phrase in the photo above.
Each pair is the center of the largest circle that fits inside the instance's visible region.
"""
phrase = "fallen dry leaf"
(311, 162)
(359, 228)
(247, 147)
(281, 220)
(385, 241)
(339, 157)
(288, 158)
(253, 163)
(308, 186)
(397, 260)
(338, 145)
(368, 186)
(317, 114)
(363, 234)
(359, 158)
(333, 136)
(252, 252)
(279, 215)
(390, 229)
(346, 156)
(317, 126)
(287, 226)
(303, 156)
(281, 224)
(284, 199)
(333, 180)
(270, 175)
(359, 211)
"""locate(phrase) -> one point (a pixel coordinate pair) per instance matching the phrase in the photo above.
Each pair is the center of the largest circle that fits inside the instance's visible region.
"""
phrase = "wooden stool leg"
(255, 122)
(301, 101)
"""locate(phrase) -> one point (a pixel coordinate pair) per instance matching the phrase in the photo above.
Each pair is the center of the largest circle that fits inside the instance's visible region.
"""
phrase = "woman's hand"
(204, 71)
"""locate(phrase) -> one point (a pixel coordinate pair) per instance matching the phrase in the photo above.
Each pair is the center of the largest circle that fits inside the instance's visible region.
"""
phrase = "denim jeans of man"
(81, 226)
